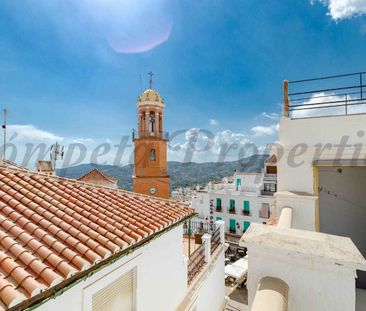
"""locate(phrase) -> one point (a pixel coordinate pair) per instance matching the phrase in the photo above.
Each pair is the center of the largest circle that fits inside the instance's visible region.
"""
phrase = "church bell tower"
(150, 174)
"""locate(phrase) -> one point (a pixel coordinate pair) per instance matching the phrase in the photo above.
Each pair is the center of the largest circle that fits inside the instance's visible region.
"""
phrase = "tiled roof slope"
(271, 160)
(98, 172)
(53, 228)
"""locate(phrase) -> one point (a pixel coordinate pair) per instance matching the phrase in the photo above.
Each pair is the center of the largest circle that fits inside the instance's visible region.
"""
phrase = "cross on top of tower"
(150, 80)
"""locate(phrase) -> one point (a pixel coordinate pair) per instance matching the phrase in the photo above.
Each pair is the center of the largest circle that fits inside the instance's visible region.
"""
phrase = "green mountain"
(181, 174)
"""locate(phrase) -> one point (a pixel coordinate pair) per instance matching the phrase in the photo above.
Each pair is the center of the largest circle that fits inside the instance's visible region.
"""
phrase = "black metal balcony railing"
(246, 213)
(231, 210)
(270, 176)
(215, 240)
(197, 228)
(218, 209)
(150, 135)
(326, 96)
(196, 262)
(271, 193)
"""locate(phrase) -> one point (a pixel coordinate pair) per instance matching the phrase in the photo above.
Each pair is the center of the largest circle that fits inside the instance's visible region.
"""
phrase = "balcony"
(246, 213)
(231, 210)
(193, 228)
(218, 209)
(150, 135)
(269, 177)
(345, 97)
(269, 193)
(198, 259)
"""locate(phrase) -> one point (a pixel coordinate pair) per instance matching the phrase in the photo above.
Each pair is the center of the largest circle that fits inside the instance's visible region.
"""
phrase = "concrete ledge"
(295, 194)
(308, 245)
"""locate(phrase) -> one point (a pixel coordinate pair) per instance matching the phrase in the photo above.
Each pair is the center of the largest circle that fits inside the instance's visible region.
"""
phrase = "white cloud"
(343, 9)
(265, 130)
(213, 122)
(32, 133)
(271, 115)
(202, 146)
(80, 140)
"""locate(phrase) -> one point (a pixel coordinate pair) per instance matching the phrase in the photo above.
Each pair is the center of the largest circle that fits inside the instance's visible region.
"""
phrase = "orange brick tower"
(150, 155)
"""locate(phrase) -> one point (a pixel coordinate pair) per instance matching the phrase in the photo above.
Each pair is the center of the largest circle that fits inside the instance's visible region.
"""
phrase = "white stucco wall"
(312, 286)
(212, 293)
(303, 141)
(161, 277)
(303, 209)
(312, 132)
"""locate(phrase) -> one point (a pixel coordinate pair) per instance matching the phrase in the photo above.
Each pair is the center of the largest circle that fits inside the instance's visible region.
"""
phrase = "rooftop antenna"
(150, 80)
(4, 128)
(56, 153)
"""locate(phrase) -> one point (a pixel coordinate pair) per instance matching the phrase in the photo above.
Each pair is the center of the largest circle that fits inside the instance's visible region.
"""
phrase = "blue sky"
(69, 71)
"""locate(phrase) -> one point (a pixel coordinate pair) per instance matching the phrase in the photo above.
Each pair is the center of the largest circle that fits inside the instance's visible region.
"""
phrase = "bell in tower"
(150, 146)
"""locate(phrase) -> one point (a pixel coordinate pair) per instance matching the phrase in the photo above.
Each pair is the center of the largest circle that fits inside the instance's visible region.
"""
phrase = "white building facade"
(154, 277)
(238, 200)
(314, 258)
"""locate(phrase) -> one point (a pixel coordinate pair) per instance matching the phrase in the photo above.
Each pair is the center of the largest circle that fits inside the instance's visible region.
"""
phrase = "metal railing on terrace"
(325, 96)
(215, 240)
(196, 227)
(198, 259)
(196, 262)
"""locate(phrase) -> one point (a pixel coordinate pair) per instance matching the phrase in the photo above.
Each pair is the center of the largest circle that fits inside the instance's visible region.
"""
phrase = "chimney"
(45, 167)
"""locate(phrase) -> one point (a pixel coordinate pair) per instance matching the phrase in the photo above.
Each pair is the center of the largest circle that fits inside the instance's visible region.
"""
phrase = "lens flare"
(139, 41)
(132, 26)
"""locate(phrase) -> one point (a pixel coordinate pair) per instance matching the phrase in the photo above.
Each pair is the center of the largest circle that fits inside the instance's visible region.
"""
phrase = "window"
(218, 218)
(152, 155)
(232, 226)
(218, 204)
(246, 225)
(152, 121)
(238, 183)
(264, 212)
(118, 295)
(246, 208)
(270, 187)
(232, 206)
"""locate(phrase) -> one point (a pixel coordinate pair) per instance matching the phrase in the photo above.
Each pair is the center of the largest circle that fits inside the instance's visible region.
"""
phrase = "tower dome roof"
(150, 95)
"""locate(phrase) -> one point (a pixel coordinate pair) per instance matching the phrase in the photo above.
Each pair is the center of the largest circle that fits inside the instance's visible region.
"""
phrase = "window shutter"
(246, 225)
(233, 224)
(118, 295)
(264, 212)
(246, 206)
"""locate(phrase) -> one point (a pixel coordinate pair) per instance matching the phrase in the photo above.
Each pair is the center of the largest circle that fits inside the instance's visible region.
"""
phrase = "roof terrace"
(325, 96)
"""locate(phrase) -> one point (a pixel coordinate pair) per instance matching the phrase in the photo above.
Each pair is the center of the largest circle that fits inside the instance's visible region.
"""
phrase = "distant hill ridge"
(181, 174)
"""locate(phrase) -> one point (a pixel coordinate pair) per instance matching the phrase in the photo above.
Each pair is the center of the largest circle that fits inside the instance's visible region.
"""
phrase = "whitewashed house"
(238, 200)
(313, 259)
(70, 245)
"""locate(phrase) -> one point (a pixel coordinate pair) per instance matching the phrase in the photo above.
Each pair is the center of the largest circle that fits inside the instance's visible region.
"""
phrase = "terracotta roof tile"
(272, 159)
(52, 228)
(98, 172)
